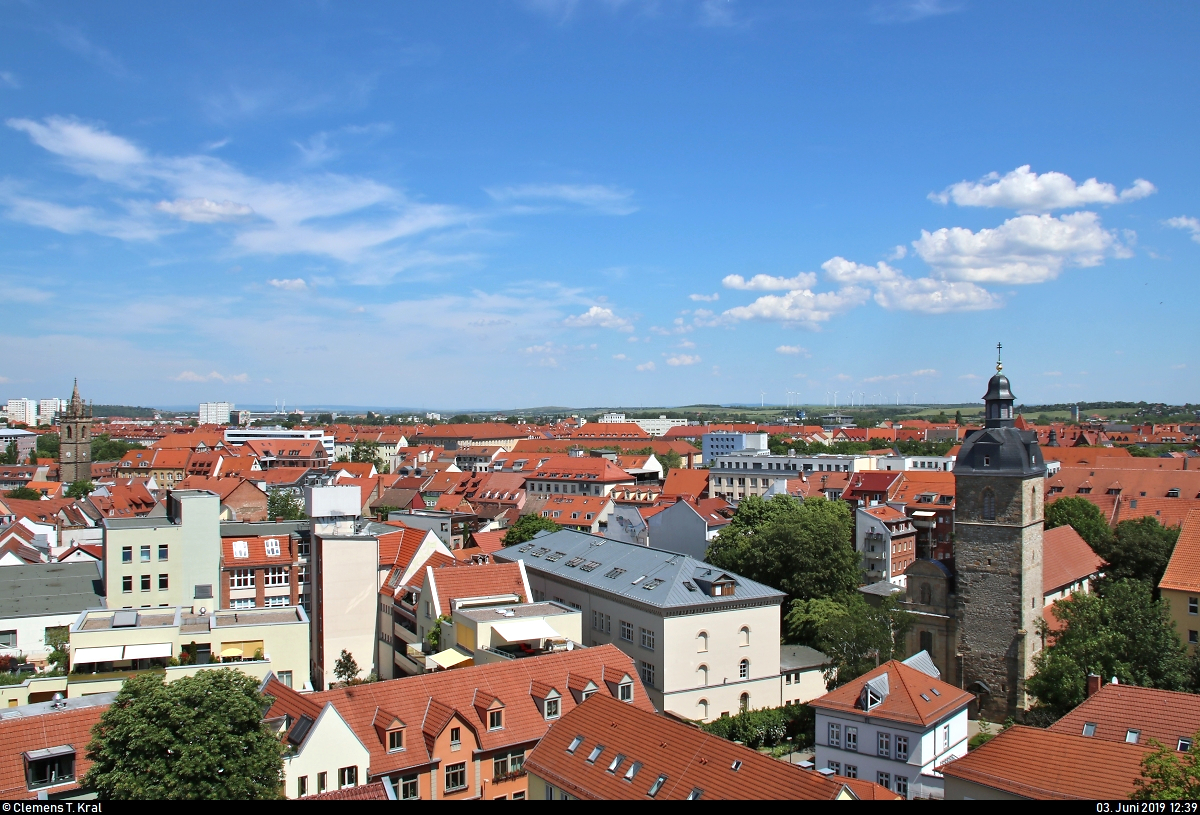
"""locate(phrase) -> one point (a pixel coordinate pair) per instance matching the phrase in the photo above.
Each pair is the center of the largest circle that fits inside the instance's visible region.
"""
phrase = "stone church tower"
(75, 441)
(999, 479)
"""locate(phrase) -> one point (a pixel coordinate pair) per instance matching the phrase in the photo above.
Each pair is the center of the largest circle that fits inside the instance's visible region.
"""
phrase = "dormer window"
(395, 741)
(552, 708)
(45, 768)
(625, 692)
(241, 549)
(272, 547)
(495, 720)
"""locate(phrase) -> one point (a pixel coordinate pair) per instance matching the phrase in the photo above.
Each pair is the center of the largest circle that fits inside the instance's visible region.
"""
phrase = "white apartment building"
(706, 642)
(241, 435)
(894, 725)
(655, 427)
(23, 411)
(48, 410)
(926, 463)
(734, 476)
(215, 412)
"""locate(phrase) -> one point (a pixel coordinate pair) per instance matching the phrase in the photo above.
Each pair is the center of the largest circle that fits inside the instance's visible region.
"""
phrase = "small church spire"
(999, 364)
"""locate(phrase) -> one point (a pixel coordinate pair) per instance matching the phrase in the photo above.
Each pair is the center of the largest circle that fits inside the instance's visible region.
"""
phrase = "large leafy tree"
(1120, 631)
(106, 448)
(1169, 776)
(48, 445)
(285, 504)
(24, 494)
(1084, 517)
(366, 452)
(526, 527)
(346, 668)
(1140, 549)
(803, 548)
(80, 489)
(198, 738)
(854, 634)
(10, 454)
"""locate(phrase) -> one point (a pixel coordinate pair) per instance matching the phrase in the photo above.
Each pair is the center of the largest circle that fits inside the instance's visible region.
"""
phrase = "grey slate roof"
(651, 577)
(800, 658)
(50, 588)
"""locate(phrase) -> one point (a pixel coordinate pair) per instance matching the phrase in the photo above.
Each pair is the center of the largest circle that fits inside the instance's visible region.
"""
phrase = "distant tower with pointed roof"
(75, 441)
(999, 478)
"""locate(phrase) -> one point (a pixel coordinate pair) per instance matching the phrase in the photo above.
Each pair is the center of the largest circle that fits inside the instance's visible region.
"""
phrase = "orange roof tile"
(455, 582)
(1066, 558)
(686, 482)
(1183, 569)
(22, 734)
(1163, 715)
(904, 701)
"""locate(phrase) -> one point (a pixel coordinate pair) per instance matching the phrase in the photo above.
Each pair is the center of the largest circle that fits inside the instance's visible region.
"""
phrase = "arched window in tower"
(744, 703)
(926, 594)
(744, 669)
(68, 432)
(703, 705)
(744, 635)
(702, 642)
(703, 671)
(989, 505)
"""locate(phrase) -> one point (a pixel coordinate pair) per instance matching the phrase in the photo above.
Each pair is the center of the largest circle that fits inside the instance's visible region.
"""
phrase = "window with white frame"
(744, 669)
(247, 602)
(241, 549)
(852, 738)
(902, 785)
(272, 547)
(647, 672)
(647, 638)
(945, 737)
(902, 748)
(885, 745)
(276, 602)
(275, 576)
(835, 735)
(242, 579)
(884, 780)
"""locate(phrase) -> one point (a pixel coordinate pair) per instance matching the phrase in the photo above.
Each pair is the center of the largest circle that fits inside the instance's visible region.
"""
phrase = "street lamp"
(790, 749)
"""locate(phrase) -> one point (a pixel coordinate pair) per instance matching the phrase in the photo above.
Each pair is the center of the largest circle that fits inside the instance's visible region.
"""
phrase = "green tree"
(200, 737)
(958, 417)
(366, 452)
(11, 454)
(58, 639)
(1168, 776)
(804, 621)
(24, 494)
(1139, 549)
(1121, 631)
(106, 448)
(284, 504)
(48, 445)
(804, 549)
(670, 460)
(434, 635)
(526, 527)
(346, 669)
(862, 637)
(1084, 517)
(80, 489)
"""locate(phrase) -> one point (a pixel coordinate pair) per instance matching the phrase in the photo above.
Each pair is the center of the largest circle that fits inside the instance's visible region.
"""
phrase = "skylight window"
(526, 547)
(574, 745)
(653, 584)
(1089, 728)
(737, 765)
(1132, 736)
(272, 546)
(926, 698)
(615, 763)
(555, 557)
(935, 691)
(575, 561)
(689, 585)
(638, 580)
(695, 794)
(589, 566)
(539, 552)
(633, 770)
(657, 785)
(241, 549)
(614, 573)
(595, 754)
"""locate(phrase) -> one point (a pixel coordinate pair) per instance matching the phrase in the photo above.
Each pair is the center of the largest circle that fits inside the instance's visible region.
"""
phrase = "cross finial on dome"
(999, 364)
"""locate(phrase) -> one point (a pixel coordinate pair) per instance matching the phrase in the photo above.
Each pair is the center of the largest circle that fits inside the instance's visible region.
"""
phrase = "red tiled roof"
(1066, 558)
(689, 757)
(592, 469)
(866, 790)
(1163, 715)
(904, 701)
(22, 734)
(256, 548)
(489, 542)
(366, 792)
(1049, 765)
(453, 583)
(686, 482)
(610, 430)
(1183, 569)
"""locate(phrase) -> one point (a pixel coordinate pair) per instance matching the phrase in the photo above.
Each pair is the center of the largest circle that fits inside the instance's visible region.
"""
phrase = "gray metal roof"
(800, 658)
(652, 577)
(923, 663)
(883, 588)
(50, 588)
(71, 703)
(252, 529)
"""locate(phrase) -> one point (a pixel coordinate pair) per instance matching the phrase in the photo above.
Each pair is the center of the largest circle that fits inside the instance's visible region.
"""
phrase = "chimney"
(1093, 685)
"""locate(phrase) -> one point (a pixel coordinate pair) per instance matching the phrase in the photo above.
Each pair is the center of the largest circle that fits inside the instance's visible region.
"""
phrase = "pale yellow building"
(1180, 584)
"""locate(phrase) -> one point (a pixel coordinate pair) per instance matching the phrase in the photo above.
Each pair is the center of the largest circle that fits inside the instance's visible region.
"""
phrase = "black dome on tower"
(1000, 448)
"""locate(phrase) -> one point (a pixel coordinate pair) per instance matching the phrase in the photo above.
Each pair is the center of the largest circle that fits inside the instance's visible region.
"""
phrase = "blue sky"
(525, 202)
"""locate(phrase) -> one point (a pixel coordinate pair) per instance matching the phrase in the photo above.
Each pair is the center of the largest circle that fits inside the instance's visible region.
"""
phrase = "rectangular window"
(455, 736)
(884, 780)
(885, 745)
(852, 771)
(902, 748)
(395, 740)
(127, 554)
(347, 777)
(145, 554)
(902, 785)
(836, 766)
(1132, 736)
(285, 678)
(625, 691)
(647, 672)
(495, 719)
(162, 552)
(551, 708)
(271, 546)
(835, 735)
(499, 767)
(1194, 605)
(647, 638)
(8, 639)
(456, 777)
(1193, 637)
(626, 631)
(162, 582)
(126, 583)
(322, 782)
(246, 602)
(946, 737)
(410, 788)
(275, 602)
(46, 772)
(302, 786)
(302, 575)
(275, 576)
(145, 582)
(852, 738)
(242, 579)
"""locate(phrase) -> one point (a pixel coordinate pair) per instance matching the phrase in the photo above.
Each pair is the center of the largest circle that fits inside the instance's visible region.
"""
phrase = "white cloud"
(765, 282)
(899, 252)
(645, 366)
(970, 376)
(86, 148)
(1187, 223)
(598, 317)
(1052, 373)
(683, 359)
(4, 380)
(1026, 191)
(289, 284)
(801, 307)
(894, 377)
(844, 271)
(1178, 367)
(717, 13)
(213, 376)
(9, 80)
(908, 11)
(202, 210)
(685, 344)
(602, 198)
(925, 372)
(933, 296)
(1024, 249)
(74, 220)
(705, 298)
(619, 356)
(792, 350)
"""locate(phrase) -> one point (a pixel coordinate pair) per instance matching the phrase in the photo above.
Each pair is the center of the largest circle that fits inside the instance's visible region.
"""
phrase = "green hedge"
(768, 727)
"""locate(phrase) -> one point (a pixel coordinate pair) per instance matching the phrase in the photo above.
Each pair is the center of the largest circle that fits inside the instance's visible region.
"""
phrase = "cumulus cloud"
(682, 359)
(1187, 223)
(1026, 191)
(600, 197)
(705, 298)
(840, 270)
(598, 317)
(212, 376)
(801, 307)
(619, 356)
(933, 296)
(794, 350)
(765, 282)
(289, 284)
(203, 211)
(645, 366)
(1024, 249)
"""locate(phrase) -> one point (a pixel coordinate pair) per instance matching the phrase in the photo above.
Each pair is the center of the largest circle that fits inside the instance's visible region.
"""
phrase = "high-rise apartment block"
(215, 412)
